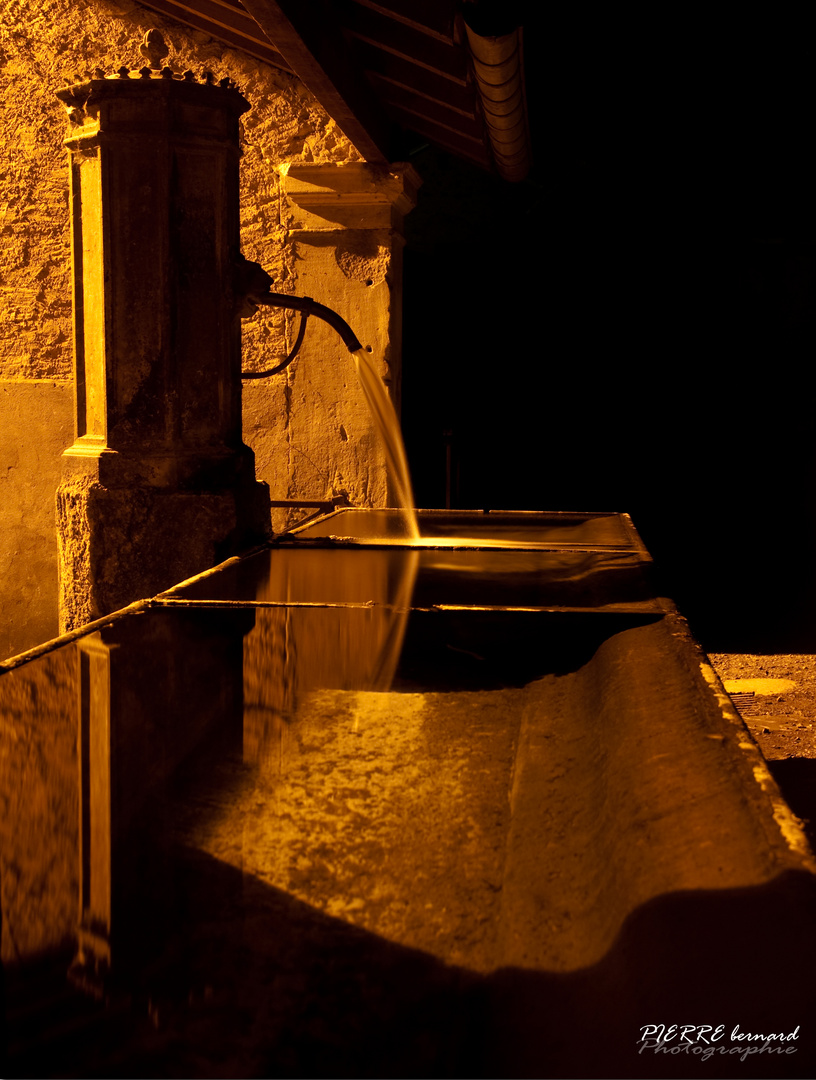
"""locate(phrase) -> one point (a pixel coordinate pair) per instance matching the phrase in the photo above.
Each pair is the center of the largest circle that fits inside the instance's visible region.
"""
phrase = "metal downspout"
(498, 69)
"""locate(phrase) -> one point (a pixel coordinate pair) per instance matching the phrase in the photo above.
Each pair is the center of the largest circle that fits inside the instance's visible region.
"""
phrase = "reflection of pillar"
(158, 484)
(345, 223)
(297, 649)
(153, 689)
(270, 695)
(95, 825)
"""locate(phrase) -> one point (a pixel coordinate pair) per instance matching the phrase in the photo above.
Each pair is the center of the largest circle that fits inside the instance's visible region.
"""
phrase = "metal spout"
(307, 306)
(252, 287)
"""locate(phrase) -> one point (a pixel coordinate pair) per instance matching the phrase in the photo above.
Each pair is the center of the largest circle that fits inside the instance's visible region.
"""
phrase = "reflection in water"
(39, 812)
(353, 575)
(295, 649)
(296, 701)
(385, 811)
(132, 738)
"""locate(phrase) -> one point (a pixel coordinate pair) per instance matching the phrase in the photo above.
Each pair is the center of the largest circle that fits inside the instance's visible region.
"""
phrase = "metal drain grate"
(745, 701)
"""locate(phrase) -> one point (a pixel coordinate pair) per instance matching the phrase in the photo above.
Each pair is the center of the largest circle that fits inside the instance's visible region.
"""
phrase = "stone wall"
(52, 43)
(311, 440)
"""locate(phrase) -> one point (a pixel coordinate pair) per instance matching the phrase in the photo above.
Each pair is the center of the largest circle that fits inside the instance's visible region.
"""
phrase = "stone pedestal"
(158, 484)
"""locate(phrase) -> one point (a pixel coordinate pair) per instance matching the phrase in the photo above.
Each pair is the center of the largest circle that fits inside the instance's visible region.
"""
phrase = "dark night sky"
(632, 327)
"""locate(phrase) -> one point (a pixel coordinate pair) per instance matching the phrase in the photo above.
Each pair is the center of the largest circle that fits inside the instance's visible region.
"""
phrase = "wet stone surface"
(389, 812)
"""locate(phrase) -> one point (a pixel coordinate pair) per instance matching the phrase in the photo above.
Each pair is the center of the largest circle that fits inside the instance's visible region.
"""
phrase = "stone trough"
(347, 806)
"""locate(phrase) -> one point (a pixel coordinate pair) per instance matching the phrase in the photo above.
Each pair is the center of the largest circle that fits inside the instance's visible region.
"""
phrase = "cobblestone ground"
(776, 697)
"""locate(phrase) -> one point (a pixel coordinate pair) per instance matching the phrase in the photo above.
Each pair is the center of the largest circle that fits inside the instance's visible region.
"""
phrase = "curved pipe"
(311, 307)
(284, 363)
(306, 306)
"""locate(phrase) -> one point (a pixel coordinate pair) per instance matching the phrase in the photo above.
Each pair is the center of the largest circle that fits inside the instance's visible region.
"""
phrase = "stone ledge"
(351, 196)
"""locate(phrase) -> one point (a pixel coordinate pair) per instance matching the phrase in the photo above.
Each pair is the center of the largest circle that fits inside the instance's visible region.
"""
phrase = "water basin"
(432, 577)
(462, 559)
(349, 809)
(468, 527)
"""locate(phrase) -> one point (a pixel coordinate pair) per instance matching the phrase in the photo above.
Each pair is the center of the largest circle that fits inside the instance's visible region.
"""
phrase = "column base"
(118, 545)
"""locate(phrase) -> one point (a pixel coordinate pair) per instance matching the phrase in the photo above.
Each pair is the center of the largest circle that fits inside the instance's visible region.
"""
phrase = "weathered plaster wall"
(36, 424)
(308, 428)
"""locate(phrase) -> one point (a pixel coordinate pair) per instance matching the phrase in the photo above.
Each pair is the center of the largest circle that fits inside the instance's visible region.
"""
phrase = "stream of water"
(386, 421)
(385, 417)
(388, 426)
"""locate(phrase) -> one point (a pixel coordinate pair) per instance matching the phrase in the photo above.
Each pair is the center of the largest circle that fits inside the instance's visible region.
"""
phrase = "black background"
(632, 327)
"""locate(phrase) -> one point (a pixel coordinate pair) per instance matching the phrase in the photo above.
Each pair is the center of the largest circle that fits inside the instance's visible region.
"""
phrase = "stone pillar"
(345, 225)
(158, 484)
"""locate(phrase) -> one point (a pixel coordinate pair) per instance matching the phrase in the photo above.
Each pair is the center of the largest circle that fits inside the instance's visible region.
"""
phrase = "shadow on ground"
(256, 983)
